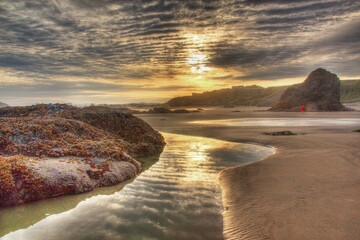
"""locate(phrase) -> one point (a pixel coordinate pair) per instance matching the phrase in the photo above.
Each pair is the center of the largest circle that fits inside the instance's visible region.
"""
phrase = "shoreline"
(198, 178)
(308, 189)
(278, 199)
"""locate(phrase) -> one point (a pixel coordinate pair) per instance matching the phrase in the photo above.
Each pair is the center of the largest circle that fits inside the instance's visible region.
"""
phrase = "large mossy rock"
(144, 139)
(56, 149)
(319, 92)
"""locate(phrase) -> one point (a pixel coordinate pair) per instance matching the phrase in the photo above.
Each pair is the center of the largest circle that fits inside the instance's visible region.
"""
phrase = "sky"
(121, 51)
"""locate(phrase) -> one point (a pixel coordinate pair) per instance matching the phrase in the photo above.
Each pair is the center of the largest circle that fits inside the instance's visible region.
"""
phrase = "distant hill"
(350, 91)
(3, 105)
(240, 95)
(254, 96)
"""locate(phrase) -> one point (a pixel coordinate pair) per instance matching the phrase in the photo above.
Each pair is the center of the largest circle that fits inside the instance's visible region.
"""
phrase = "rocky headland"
(319, 92)
(256, 96)
(57, 149)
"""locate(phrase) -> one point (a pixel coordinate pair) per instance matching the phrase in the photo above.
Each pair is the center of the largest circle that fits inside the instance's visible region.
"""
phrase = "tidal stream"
(176, 198)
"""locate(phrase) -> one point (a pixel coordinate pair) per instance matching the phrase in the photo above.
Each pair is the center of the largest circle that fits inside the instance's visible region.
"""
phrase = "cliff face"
(319, 92)
(52, 150)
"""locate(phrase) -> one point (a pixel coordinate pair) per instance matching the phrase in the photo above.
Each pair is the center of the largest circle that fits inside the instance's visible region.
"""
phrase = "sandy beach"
(309, 189)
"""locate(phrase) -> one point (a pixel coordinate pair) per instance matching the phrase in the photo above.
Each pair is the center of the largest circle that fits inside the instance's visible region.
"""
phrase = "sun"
(197, 58)
(200, 69)
(198, 63)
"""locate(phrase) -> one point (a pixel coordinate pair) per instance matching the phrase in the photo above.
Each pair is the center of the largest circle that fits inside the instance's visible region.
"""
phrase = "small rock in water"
(282, 133)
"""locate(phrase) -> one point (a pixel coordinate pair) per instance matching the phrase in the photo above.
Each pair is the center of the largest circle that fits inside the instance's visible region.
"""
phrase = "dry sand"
(309, 189)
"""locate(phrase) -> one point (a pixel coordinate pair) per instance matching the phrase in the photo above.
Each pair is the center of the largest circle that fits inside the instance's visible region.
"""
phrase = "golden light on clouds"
(197, 58)
(139, 52)
(198, 63)
(200, 69)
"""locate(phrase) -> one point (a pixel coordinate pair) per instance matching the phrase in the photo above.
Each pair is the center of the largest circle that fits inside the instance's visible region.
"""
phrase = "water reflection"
(177, 198)
(23, 216)
(280, 122)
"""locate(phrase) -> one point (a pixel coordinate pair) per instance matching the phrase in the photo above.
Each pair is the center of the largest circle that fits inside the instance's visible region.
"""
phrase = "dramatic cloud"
(112, 50)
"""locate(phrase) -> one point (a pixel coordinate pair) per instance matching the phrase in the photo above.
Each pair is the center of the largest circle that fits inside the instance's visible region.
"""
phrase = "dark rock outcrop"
(319, 92)
(161, 110)
(55, 149)
(282, 133)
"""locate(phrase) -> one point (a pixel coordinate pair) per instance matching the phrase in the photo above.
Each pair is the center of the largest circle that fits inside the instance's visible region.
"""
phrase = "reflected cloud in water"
(177, 198)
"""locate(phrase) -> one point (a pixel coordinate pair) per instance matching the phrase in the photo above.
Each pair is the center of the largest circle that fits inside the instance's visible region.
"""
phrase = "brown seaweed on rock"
(52, 150)
(145, 140)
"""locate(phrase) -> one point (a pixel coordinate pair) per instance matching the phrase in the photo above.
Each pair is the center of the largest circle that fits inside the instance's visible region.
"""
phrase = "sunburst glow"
(154, 50)
(197, 59)
(200, 69)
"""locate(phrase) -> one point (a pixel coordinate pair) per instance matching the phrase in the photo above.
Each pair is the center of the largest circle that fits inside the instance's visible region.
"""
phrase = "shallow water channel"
(176, 198)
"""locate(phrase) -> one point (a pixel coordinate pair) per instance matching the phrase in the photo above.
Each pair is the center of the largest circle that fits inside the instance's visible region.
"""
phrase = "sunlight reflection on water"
(280, 122)
(177, 198)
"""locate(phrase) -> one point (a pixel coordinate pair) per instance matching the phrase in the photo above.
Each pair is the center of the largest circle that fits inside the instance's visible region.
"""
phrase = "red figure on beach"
(302, 108)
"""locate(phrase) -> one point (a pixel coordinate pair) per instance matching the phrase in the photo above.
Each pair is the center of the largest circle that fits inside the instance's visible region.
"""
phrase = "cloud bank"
(79, 48)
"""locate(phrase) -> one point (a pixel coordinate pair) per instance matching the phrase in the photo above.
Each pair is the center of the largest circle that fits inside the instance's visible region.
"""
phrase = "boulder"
(145, 140)
(160, 110)
(319, 92)
(49, 150)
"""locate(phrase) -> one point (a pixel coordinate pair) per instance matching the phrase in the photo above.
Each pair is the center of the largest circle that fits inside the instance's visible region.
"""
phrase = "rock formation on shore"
(57, 149)
(319, 92)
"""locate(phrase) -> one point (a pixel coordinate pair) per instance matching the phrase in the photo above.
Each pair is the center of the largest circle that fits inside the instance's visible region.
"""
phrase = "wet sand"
(309, 189)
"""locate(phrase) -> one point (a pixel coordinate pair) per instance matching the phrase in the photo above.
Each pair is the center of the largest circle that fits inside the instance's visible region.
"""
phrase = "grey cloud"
(245, 57)
(160, 6)
(347, 33)
(271, 63)
(105, 38)
(278, 72)
(311, 7)
(287, 20)
(256, 2)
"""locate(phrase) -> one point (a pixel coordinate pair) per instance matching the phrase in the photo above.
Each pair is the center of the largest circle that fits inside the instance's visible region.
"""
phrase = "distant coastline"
(255, 96)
